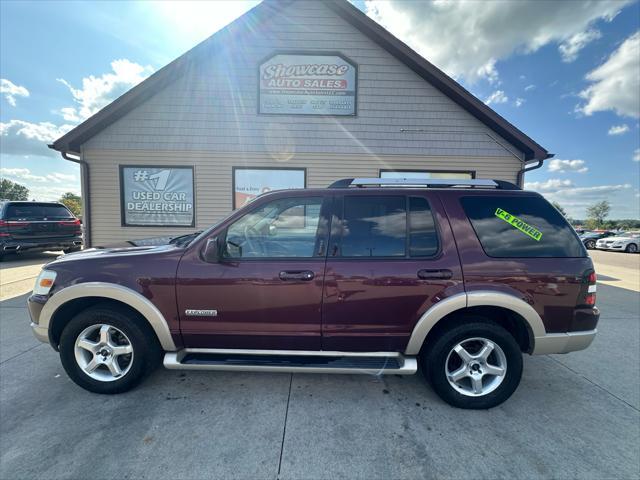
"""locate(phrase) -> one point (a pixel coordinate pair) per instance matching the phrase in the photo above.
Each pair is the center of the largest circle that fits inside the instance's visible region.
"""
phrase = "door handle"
(435, 274)
(304, 275)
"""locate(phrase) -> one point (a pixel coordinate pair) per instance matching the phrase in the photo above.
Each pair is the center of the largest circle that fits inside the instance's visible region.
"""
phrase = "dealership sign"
(308, 85)
(157, 196)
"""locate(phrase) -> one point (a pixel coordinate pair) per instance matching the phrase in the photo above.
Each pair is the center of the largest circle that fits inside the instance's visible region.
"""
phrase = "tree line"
(597, 218)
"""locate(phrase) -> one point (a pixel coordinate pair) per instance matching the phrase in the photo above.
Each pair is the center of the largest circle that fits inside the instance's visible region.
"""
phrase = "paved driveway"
(573, 416)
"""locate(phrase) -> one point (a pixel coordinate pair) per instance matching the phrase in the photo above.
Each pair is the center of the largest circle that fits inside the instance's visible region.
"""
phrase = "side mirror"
(212, 252)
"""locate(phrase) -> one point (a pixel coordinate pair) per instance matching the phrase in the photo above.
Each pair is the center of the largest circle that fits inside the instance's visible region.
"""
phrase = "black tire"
(434, 358)
(590, 244)
(72, 249)
(147, 351)
(631, 248)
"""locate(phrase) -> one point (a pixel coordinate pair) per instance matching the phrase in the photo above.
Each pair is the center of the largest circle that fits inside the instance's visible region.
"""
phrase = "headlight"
(44, 282)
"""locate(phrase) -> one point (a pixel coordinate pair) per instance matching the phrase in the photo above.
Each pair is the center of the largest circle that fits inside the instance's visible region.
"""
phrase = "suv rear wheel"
(476, 364)
(106, 350)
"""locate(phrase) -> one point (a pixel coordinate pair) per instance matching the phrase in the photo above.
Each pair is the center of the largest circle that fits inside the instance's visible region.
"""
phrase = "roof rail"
(423, 182)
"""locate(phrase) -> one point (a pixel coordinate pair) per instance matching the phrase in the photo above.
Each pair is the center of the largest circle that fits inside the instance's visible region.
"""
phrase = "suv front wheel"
(476, 364)
(105, 349)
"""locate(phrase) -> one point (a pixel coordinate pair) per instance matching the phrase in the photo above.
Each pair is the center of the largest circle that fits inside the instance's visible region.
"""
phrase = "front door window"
(284, 228)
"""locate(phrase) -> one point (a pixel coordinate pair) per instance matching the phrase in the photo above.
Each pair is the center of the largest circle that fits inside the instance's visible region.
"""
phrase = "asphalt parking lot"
(573, 416)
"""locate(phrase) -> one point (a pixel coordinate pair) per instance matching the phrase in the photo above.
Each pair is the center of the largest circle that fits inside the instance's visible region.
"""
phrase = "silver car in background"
(623, 242)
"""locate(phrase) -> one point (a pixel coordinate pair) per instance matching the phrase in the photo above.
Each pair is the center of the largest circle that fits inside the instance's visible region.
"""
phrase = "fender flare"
(480, 298)
(114, 292)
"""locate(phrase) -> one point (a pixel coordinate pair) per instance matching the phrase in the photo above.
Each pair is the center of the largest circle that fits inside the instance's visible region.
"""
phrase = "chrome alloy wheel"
(476, 367)
(104, 352)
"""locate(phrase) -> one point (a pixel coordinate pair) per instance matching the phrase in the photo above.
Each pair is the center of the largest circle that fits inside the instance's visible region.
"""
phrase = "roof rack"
(423, 182)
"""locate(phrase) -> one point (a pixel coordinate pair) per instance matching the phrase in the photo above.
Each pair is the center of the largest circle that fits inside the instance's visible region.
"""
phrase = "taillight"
(3, 225)
(590, 295)
(70, 223)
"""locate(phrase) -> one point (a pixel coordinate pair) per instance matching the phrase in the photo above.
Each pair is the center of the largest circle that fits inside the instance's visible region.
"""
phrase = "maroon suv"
(368, 276)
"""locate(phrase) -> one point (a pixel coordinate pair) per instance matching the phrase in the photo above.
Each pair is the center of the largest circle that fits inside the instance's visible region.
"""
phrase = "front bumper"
(35, 303)
(610, 247)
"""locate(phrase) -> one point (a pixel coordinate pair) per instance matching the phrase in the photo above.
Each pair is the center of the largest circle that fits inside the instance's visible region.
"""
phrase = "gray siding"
(213, 180)
(213, 107)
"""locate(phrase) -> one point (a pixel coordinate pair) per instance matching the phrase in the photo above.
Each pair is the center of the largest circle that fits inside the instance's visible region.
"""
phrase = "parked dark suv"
(38, 226)
(371, 276)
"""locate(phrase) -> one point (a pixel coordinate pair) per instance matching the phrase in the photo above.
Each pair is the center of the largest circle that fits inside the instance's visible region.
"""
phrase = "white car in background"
(623, 242)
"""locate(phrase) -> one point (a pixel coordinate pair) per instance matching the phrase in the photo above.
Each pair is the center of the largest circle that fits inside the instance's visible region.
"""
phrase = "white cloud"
(563, 166)
(25, 138)
(615, 85)
(618, 129)
(97, 92)
(529, 87)
(575, 200)
(496, 97)
(10, 91)
(467, 38)
(519, 101)
(636, 155)
(570, 48)
(25, 174)
(551, 184)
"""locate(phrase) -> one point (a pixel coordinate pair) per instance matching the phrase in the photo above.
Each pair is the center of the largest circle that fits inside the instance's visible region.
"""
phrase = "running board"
(373, 363)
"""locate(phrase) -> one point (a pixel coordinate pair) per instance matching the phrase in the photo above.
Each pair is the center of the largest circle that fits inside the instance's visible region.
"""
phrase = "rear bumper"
(12, 245)
(581, 334)
(563, 342)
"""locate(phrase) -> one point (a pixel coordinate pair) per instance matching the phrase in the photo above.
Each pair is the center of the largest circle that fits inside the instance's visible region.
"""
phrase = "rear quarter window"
(521, 226)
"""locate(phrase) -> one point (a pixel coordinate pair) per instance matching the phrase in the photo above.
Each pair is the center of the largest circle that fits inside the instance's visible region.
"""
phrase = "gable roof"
(71, 141)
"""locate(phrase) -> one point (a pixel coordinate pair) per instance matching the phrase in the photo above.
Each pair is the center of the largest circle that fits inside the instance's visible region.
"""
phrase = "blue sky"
(566, 73)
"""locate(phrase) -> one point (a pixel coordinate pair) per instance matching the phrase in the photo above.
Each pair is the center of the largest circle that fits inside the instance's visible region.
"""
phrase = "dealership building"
(294, 93)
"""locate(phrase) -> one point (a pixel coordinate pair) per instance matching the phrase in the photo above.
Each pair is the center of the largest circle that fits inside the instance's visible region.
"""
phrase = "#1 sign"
(158, 196)
(308, 85)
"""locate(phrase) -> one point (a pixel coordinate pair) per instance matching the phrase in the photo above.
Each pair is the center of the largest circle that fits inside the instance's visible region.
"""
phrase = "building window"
(468, 174)
(249, 182)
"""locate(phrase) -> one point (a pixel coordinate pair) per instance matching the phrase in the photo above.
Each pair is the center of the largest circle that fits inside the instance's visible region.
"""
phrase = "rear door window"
(521, 226)
(387, 226)
(423, 238)
(374, 227)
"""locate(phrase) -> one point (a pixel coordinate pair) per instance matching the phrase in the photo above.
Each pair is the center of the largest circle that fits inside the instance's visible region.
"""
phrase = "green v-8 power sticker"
(519, 224)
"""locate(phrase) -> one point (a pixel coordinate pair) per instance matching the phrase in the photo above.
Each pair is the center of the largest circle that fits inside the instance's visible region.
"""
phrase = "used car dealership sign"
(308, 85)
(159, 196)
